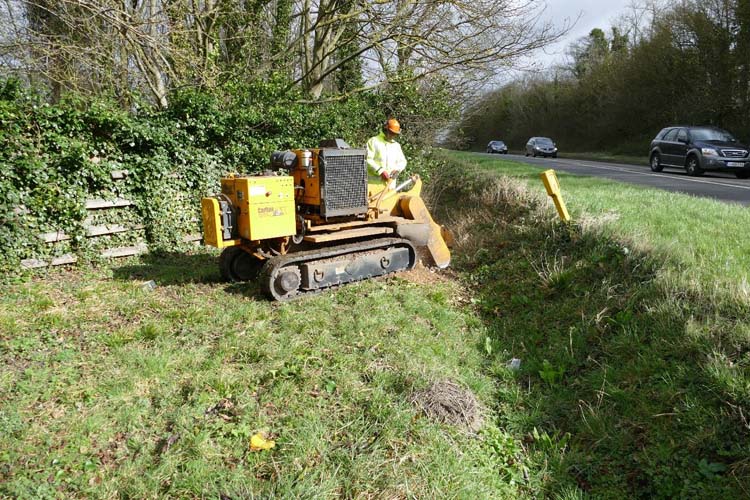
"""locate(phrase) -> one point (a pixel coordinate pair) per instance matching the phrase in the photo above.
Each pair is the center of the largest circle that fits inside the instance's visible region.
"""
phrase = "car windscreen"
(711, 134)
(544, 141)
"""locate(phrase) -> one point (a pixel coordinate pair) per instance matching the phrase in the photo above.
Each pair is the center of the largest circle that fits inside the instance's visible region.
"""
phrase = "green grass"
(108, 388)
(628, 386)
(706, 242)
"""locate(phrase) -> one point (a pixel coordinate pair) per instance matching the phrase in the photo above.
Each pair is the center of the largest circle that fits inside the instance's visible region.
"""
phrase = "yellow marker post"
(549, 178)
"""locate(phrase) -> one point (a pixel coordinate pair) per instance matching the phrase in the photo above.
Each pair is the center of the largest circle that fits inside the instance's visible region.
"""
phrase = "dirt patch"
(447, 402)
(423, 275)
(224, 409)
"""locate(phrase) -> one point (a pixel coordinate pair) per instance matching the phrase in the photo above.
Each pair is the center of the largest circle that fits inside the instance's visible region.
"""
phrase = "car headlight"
(709, 152)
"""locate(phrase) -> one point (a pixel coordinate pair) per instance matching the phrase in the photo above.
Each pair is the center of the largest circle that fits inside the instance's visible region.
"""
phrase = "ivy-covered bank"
(55, 157)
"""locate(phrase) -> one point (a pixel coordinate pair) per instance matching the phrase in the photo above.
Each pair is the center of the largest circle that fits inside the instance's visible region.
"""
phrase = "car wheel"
(526, 154)
(743, 174)
(554, 155)
(656, 165)
(534, 155)
(693, 166)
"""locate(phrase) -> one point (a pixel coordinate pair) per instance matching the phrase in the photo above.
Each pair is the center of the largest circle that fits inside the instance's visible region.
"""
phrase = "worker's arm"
(398, 160)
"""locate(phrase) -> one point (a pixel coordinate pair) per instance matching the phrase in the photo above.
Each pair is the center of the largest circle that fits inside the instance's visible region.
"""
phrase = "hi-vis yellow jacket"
(384, 156)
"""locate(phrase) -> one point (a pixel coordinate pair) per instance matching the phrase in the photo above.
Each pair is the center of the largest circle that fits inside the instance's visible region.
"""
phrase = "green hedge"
(54, 157)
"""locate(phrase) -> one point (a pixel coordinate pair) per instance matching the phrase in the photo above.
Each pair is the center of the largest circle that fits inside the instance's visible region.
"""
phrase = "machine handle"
(388, 193)
(391, 192)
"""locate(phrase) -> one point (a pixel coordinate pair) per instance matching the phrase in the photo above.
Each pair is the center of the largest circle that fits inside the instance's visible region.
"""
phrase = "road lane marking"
(585, 163)
(700, 181)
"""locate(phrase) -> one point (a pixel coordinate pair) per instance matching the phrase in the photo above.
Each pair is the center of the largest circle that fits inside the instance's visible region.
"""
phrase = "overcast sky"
(593, 14)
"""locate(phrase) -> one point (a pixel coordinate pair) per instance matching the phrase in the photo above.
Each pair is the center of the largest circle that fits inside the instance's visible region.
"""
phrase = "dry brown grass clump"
(449, 403)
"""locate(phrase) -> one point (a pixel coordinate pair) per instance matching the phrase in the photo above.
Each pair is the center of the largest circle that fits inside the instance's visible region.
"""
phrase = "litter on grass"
(260, 442)
(514, 364)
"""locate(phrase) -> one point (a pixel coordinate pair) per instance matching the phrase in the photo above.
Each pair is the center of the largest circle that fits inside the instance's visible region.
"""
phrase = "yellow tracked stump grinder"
(313, 222)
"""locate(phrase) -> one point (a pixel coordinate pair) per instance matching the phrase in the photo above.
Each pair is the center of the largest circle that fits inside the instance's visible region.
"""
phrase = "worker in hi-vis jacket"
(385, 160)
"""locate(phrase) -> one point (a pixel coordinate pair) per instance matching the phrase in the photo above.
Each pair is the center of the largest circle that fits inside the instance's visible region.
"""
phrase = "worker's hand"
(385, 176)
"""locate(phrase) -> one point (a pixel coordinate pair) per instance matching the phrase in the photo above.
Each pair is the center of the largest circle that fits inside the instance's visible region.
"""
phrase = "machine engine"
(335, 184)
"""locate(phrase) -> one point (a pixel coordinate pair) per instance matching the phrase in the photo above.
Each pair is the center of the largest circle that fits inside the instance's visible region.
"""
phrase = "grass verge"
(704, 242)
(112, 390)
(649, 379)
(626, 387)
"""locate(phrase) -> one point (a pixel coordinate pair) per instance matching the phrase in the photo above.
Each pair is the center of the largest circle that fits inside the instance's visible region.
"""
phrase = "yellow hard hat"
(393, 126)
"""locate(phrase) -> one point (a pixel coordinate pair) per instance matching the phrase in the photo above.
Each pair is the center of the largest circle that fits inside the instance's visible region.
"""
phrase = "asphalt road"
(716, 185)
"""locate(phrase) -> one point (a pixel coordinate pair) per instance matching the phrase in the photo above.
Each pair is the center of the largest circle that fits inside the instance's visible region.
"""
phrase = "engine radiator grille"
(343, 178)
(735, 153)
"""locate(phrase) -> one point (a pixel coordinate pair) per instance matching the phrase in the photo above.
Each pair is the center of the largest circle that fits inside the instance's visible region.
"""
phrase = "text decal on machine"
(270, 212)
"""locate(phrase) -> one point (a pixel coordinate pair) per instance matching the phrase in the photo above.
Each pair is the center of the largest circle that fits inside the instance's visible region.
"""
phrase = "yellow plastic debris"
(259, 442)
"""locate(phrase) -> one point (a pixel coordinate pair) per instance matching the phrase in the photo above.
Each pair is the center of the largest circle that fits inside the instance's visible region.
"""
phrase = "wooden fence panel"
(94, 231)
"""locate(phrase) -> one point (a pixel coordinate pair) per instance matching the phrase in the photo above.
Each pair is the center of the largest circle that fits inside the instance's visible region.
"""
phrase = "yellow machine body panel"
(212, 229)
(211, 222)
(266, 205)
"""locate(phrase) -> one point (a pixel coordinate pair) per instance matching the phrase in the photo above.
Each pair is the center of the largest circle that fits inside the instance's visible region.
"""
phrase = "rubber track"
(280, 261)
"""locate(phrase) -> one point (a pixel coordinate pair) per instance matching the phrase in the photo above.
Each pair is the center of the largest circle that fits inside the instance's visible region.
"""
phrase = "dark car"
(697, 149)
(541, 146)
(497, 147)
